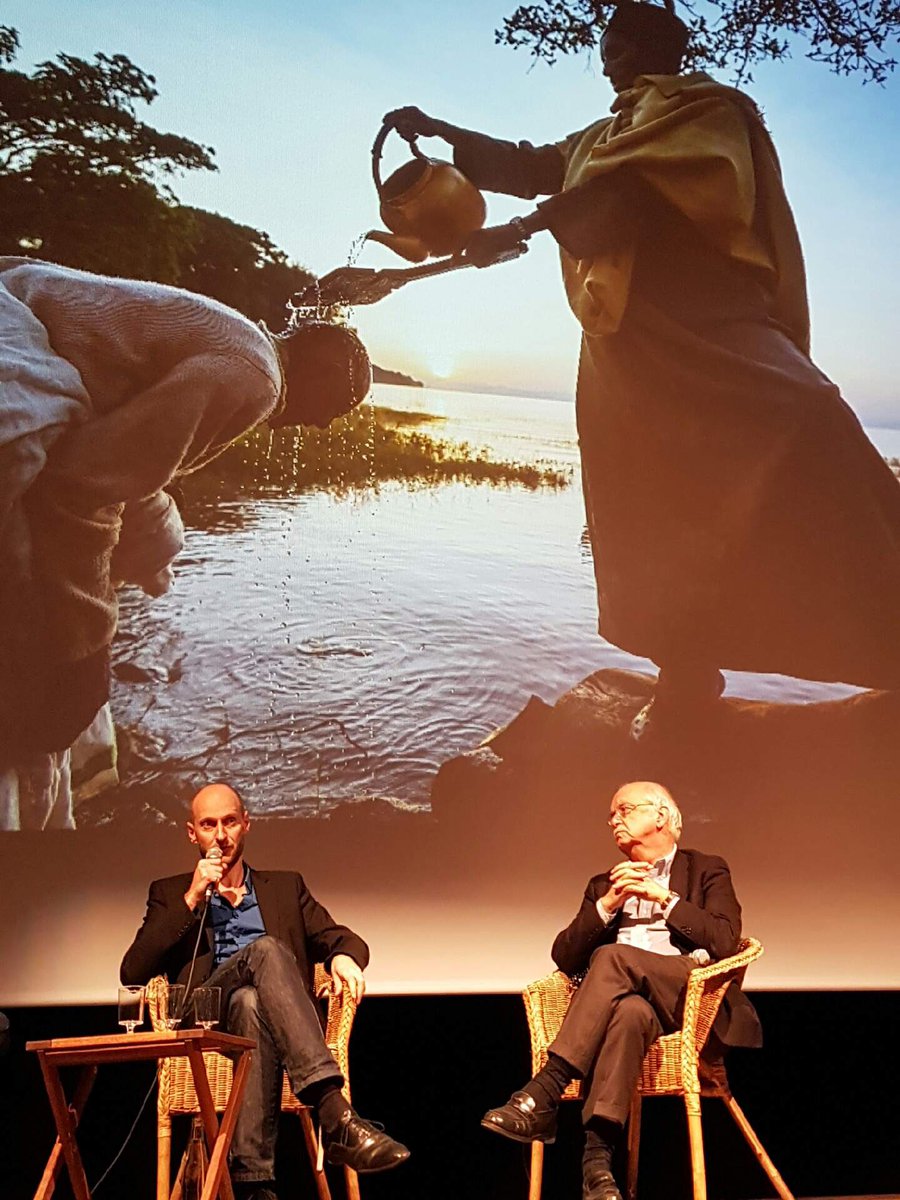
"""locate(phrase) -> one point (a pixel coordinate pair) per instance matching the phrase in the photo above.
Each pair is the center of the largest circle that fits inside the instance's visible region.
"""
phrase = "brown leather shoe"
(521, 1119)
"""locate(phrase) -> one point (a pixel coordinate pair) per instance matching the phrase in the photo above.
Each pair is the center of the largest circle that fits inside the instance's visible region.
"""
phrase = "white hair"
(663, 799)
(656, 794)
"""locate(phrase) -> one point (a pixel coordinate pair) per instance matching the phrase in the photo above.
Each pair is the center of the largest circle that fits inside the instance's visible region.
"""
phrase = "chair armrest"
(157, 994)
(339, 1020)
(706, 988)
(546, 1003)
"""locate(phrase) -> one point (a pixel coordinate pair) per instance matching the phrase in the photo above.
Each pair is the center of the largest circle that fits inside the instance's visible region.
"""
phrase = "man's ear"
(191, 832)
(662, 814)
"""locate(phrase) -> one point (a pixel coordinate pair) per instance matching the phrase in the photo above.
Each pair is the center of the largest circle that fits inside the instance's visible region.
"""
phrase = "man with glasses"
(642, 927)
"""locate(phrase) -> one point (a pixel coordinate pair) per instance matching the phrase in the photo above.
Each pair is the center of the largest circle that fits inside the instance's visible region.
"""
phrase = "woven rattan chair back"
(673, 1066)
(177, 1097)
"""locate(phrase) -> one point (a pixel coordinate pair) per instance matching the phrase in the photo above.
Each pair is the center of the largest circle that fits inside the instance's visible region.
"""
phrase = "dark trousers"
(265, 998)
(629, 997)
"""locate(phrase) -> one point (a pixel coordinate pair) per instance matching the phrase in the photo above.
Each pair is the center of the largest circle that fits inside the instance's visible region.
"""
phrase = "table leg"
(66, 1118)
(218, 1159)
(214, 1186)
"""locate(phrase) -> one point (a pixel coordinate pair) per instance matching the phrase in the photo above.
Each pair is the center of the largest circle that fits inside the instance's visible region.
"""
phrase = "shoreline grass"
(370, 446)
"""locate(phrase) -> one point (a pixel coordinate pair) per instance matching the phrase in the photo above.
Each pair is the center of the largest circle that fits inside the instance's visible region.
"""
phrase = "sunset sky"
(291, 96)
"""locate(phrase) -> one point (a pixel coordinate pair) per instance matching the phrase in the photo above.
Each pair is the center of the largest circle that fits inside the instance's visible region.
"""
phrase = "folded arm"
(575, 944)
(165, 925)
(326, 937)
(176, 425)
(714, 924)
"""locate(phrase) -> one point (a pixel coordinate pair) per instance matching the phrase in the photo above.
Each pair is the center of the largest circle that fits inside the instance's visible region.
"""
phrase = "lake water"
(317, 648)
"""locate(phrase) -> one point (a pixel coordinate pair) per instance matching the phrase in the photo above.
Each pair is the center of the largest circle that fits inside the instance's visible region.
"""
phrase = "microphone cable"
(215, 855)
(200, 924)
(128, 1136)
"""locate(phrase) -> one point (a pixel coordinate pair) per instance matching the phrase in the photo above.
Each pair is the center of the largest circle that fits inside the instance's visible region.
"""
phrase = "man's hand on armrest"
(347, 973)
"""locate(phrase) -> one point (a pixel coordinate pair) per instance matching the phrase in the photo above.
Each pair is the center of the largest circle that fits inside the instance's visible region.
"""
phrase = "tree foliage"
(87, 111)
(848, 36)
(240, 266)
(85, 181)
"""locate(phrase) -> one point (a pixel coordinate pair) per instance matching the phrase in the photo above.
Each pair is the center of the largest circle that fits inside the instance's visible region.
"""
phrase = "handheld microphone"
(213, 855)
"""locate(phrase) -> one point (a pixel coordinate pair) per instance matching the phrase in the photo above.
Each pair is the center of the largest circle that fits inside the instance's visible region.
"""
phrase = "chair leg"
(178, 1186)
(758, 1149)
(351, 1182)
(634, 1146)
(537, 1171)
(163, 1155)
(695, 1133)
(312, 1148)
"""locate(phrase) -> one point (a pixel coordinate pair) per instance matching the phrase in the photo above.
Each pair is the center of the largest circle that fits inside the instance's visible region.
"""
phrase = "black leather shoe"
(600, 1185)
(521, 1119)
(362, 1146)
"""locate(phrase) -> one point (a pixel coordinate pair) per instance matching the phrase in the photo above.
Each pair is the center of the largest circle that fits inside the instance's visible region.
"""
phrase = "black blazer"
(706, 917)
(165, 941)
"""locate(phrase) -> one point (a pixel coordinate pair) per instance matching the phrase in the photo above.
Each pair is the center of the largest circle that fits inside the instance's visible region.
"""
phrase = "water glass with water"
(207, 1003)
(131, 1007)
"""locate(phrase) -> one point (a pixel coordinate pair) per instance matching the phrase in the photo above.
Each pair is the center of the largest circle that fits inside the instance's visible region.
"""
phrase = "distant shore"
(384, 375)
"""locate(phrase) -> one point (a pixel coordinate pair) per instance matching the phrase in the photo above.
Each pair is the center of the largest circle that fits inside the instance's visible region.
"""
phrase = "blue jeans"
(264, 997)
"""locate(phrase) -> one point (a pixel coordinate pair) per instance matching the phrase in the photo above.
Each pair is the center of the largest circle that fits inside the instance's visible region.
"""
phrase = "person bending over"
(112, 389)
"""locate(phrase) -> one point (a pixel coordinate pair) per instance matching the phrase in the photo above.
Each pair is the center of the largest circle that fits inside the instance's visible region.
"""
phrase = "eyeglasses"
(625, 810)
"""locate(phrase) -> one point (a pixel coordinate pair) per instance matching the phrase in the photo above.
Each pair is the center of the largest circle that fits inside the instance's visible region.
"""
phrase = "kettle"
(429, 206)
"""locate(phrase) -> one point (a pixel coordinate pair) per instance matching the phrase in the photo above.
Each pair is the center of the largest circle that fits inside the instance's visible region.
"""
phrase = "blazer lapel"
(678, 879)
(267, 901)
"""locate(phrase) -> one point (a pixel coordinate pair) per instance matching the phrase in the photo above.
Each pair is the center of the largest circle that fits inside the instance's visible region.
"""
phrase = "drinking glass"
(131, 1007)
(174, 1006)
(207, 1001)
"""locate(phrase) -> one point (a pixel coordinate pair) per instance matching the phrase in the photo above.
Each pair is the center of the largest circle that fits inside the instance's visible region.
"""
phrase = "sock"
(551, 1081)
(328, 1099)
(600, 1141)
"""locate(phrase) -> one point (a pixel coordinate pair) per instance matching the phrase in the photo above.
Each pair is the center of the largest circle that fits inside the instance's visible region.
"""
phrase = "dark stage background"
(821, 1095)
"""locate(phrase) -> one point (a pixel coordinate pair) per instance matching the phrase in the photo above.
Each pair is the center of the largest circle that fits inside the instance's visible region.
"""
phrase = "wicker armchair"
(671, 1067)
(177, 1096)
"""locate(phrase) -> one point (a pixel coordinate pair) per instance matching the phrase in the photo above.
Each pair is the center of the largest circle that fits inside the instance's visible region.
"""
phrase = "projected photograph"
(467, 475)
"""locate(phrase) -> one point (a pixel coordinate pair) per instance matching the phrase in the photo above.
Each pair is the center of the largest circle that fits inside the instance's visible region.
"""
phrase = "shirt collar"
(246, 882)
(663, 866)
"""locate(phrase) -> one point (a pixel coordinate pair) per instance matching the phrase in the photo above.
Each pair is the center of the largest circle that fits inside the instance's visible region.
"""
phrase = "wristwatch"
(521, 228)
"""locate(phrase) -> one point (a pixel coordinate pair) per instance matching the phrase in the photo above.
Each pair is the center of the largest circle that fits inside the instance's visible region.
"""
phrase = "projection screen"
(358, 611)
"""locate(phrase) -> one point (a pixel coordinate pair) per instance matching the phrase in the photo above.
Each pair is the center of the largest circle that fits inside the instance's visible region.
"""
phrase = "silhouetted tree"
(847, 35)
(82, 177)
(240, 266)
(85, 182)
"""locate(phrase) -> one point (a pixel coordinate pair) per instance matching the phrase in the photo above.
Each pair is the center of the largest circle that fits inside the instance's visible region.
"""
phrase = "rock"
(560, 761)
(381, 809)
(134, 672)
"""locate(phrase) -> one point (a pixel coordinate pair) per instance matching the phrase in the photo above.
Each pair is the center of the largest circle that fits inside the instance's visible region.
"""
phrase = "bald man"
(643, 925)
(261, 933)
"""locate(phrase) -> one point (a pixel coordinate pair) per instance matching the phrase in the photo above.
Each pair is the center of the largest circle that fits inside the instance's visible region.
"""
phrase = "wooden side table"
(89, 1053)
